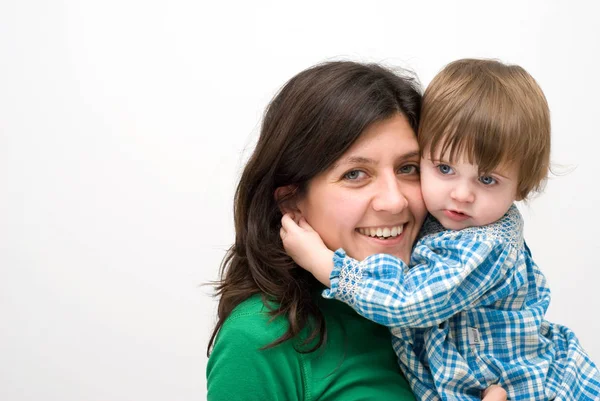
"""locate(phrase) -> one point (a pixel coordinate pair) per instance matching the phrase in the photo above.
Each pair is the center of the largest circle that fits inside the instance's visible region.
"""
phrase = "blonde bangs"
(492, 114)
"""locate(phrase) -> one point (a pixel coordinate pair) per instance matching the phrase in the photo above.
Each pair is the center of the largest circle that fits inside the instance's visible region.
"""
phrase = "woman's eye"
(445, 169)
(487, 180)
(354, 175)
(409, 169)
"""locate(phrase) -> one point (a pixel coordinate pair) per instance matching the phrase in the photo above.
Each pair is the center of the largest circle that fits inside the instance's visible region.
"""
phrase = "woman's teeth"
(382, 232)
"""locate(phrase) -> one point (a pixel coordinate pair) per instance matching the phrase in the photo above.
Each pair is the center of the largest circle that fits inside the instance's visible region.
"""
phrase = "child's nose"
(463, 193)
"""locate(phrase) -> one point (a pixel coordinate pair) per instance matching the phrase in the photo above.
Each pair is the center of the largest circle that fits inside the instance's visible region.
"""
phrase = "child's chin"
(452, 225)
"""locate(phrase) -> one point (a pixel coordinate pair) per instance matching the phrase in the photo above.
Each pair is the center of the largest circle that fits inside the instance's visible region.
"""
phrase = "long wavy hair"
(316, 116)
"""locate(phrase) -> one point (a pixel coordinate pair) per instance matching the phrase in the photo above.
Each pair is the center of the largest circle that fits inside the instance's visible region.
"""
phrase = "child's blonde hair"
(496, 113)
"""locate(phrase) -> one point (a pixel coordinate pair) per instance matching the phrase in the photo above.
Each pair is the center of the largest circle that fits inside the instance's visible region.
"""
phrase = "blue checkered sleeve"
(445, 280)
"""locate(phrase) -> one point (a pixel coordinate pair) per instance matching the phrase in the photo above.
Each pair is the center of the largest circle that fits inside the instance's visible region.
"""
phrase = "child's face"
(457, 196)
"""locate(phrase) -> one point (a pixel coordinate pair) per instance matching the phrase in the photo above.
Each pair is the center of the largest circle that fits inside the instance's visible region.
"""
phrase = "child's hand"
(494, 393)
(306, 247)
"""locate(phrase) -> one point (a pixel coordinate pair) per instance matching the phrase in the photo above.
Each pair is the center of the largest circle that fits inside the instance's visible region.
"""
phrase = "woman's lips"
(456, 216)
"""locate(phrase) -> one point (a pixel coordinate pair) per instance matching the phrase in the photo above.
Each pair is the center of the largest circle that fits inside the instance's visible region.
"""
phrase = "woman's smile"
(380, 240)
(382, 232)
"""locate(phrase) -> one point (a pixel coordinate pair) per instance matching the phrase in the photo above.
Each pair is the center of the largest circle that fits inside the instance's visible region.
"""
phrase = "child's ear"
(519, 197)
(287, 199)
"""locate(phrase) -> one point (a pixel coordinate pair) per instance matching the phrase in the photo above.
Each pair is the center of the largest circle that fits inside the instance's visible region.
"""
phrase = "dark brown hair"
(496, 113)
(310, 123)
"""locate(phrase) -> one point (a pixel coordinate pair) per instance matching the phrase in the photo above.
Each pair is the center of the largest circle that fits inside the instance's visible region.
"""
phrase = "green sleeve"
(239, 370)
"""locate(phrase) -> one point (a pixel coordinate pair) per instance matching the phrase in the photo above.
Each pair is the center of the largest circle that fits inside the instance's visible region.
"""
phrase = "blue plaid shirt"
(469, 313)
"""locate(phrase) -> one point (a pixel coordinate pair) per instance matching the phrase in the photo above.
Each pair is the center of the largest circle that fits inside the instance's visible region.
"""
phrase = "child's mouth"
(456, 215)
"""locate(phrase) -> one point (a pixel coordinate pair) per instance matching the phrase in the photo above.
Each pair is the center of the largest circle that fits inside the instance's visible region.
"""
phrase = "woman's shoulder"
(252, 306)
(356, 351)
(252, 319)
(239, 364)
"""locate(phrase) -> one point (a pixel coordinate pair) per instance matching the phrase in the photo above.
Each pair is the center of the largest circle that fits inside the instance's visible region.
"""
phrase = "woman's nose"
(463, 193)
(389, 197)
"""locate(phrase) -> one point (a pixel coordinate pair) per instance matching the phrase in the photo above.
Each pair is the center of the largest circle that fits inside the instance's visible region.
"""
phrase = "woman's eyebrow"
(359, 160)
(410, 155)
(353, 160)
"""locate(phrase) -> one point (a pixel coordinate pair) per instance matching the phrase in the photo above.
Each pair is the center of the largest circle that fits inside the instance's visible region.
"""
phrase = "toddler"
(468, 311)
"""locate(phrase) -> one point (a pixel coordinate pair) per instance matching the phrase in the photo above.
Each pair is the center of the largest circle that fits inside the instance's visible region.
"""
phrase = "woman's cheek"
(417, 204)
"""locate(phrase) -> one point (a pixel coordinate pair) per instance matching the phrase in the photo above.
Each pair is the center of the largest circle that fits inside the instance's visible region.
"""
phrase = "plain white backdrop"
(124, 125)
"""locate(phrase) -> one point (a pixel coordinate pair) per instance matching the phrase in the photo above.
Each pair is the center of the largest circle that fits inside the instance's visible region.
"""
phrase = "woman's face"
(370, 200)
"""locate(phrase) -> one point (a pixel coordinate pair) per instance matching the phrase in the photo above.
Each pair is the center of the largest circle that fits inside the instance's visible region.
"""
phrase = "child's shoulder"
(508, 230)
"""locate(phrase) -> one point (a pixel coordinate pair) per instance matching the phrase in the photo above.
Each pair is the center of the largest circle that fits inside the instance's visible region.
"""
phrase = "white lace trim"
(508, 229)
(350, 276)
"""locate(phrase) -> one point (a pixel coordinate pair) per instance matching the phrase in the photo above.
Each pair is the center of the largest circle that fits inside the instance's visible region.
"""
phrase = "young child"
(469, 311)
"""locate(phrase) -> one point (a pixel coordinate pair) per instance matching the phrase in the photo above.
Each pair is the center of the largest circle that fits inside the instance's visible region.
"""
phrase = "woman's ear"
(286, 198)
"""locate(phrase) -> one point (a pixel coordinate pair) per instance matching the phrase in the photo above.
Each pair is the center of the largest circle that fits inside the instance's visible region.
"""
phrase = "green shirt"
(356, 363)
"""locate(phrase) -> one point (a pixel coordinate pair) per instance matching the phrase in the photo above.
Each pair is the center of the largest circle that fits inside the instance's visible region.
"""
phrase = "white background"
(124, 125)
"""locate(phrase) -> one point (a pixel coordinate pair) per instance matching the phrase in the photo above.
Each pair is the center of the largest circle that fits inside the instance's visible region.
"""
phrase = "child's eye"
(445, 169)
(409, 169)
(487, 180)
(354, 175)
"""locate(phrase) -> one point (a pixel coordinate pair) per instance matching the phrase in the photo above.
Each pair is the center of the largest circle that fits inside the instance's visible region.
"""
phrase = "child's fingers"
(287, 223)
(282, 233)
(494, 393)
(304, 224)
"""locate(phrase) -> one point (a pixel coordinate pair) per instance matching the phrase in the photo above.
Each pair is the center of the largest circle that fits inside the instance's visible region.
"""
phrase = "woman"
(276, 338)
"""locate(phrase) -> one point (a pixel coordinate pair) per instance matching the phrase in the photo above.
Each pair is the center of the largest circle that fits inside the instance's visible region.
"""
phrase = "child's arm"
(442, 283)
(383, 289)
(306, 247)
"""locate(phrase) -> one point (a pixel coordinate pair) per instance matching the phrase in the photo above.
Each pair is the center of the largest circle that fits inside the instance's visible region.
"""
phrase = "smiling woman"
(331, 129)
